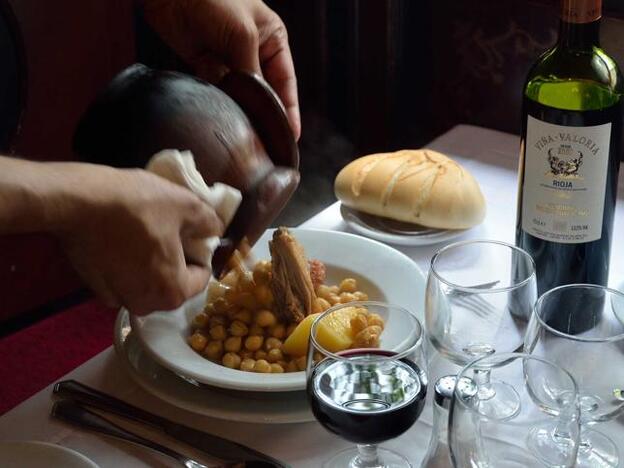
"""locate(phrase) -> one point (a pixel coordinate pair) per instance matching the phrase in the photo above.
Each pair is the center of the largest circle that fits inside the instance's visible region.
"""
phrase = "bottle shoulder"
(575, 80)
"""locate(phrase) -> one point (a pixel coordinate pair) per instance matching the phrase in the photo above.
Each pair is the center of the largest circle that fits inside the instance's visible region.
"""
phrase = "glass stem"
(367, 457)
(482, 379)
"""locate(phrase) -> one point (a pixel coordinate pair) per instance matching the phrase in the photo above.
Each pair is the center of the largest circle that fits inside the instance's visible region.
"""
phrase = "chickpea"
(198, 341)
(323, 291)
(217, 319)
(233, 344)
(200, 320)
(246, 300)
(278, 331)
(358, 323)
(244, 316)
(256, 329)
(282, 363)
(246, 354)
(275, 355)
(276, 369)
(254, 343)
(231, 295)
(346, 297)
(292, 366)
(375, 319)
(218, 332)
(214, 350)
(360, 296)
(290, 329)
(301, 363)
(272, 343)
(334, 289)
(220, 305)
(231, 360)
(238, 328)
(262, 272)
(209, 309)
(262, 366)
(264, 296)
(322, 304)
(265, 318)
(216, 289)
(334, 299)
(260, 354)
(348, 285)
(367, 338)
(247, 365)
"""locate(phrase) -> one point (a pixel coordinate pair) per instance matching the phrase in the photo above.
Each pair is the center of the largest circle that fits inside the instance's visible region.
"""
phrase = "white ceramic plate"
(249, 407)
(384, 273)
(33, 454)
(395, 232)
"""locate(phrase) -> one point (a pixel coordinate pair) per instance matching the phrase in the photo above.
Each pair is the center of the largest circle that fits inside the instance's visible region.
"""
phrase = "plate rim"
(285, 382)
(441, 235)
(120, 350)
(55, 447)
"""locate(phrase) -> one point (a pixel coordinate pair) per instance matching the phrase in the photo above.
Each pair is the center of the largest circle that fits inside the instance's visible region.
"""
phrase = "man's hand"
(216, 35)
(121, 229)
(124, 239)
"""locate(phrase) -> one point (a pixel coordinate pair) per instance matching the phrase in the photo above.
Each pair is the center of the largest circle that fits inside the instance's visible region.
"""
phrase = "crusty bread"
(415, 186)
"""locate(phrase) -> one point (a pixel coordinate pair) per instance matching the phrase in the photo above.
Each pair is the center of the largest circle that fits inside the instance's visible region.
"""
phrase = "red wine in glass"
(367, 401)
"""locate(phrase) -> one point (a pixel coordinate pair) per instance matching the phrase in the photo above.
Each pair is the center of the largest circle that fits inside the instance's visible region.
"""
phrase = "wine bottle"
(572, 141)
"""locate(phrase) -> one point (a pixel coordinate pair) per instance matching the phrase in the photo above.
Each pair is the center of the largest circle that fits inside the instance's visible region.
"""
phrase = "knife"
(213, 445)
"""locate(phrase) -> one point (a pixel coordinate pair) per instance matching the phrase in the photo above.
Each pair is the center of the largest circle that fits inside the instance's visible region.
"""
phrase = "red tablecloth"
(33, 357)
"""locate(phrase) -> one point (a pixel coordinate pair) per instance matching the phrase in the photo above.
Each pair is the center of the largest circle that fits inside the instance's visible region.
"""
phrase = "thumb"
(195, 279)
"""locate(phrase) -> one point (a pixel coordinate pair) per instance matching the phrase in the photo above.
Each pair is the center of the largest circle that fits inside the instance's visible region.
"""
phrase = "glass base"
(498, 400)
(350, 458)
(549, 447)
(596, 450)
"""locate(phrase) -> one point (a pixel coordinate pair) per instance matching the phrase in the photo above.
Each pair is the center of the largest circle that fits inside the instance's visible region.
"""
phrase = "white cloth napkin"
(179, 167)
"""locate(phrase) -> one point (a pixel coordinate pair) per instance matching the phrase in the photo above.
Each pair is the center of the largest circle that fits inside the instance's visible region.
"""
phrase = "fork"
(73, 413)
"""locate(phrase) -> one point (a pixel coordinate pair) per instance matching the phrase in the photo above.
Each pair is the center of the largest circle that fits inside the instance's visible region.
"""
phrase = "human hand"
(123, 229)
(216, 35)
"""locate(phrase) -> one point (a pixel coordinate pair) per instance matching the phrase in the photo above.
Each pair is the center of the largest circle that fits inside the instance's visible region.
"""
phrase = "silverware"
(71, 412)
(213, 445)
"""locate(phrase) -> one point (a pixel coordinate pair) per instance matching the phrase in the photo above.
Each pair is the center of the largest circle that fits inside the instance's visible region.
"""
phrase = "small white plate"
(249, 407)
(384, 273)
(395, 232)
(34, 454)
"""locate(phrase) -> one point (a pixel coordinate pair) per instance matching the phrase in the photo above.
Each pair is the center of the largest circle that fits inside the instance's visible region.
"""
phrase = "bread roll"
(415, 186)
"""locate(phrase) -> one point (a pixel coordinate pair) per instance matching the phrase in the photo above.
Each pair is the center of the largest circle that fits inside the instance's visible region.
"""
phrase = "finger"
(279, 71)
(242, 48)
(201, 221)
(194, 280)
(209, 68)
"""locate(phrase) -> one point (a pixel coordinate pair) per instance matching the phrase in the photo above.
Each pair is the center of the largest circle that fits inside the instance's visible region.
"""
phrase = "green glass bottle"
(572, 142)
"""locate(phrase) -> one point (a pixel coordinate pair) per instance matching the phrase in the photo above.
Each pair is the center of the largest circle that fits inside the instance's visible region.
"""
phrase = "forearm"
(40, 197)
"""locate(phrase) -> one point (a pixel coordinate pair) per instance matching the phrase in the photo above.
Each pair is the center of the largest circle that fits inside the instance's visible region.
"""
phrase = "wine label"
(565, 173)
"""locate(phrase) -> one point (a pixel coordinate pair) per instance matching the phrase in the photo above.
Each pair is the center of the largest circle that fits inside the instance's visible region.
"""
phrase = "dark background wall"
(374, 75)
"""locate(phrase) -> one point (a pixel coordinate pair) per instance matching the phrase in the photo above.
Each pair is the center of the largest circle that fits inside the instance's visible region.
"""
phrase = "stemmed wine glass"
(372, 392)
(581, 328)
(479, 298)
(543, 432)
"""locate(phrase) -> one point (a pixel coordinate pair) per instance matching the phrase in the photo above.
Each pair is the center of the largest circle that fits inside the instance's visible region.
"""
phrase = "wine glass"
(581, 328)
(479, 298)
(543, 432)
(373, 391)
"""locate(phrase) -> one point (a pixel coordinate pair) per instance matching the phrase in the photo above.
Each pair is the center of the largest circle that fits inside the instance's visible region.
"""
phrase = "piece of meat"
(291, 282)
(317, 273)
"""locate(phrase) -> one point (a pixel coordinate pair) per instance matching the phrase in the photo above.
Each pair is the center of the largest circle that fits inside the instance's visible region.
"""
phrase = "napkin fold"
(179, 168)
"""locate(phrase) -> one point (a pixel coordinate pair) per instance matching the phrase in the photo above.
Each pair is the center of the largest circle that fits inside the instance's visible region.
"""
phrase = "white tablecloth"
(491, 156)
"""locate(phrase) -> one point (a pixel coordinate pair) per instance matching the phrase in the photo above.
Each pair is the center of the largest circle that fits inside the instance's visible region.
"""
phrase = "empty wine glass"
(372, 392)
(543, 432)
(480, 295)
(581, 328)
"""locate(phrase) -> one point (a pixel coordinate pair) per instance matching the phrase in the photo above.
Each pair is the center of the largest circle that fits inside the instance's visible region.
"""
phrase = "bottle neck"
(579, 27)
